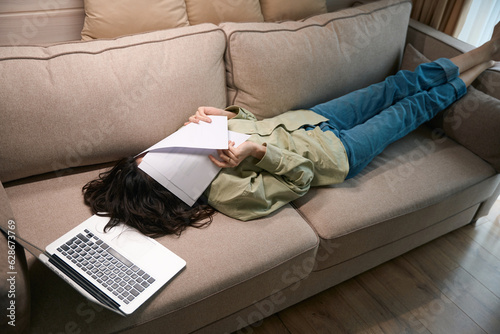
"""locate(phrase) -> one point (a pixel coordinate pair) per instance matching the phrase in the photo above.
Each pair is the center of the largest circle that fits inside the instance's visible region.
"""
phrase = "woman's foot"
(495, 42)
(486, 52)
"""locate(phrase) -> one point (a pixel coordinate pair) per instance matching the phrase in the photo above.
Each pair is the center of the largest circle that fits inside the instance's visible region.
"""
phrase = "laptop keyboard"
(106, 266)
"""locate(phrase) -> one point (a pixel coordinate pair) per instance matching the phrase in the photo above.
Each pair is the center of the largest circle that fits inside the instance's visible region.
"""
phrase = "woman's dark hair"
(127, 194)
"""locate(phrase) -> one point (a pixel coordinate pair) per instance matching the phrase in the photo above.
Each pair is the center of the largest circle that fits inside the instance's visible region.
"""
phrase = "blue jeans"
(369, 119)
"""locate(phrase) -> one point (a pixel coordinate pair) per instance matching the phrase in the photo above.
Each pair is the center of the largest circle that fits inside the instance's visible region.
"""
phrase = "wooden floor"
(450, 285)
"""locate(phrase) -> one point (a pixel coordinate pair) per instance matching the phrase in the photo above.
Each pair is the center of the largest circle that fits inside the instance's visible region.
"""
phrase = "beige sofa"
(69, 110)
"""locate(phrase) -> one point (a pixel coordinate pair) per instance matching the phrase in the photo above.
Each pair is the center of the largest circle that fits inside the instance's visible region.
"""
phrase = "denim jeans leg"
(356, 107)
(365, 141)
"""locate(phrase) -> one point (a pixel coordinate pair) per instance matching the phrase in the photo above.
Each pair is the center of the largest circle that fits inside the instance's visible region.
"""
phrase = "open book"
(180, 162)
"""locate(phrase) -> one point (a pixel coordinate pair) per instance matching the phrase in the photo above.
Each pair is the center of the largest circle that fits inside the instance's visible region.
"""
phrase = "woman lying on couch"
(289, 153)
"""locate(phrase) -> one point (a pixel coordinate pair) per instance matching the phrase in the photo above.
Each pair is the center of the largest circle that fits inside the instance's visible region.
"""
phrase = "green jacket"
(295, 160)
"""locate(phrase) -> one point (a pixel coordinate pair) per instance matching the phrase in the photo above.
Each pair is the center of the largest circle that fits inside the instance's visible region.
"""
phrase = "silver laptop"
(118, 269)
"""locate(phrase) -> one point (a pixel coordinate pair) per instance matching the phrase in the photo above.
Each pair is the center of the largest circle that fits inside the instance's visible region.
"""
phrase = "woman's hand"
(233, 156)
(203, 112)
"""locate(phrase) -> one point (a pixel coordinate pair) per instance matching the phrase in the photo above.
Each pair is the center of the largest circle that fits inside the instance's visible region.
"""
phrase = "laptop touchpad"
(133, 243)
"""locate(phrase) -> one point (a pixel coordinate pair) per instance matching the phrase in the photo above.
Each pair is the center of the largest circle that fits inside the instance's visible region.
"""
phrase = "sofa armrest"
(433, 43)
(14, 280)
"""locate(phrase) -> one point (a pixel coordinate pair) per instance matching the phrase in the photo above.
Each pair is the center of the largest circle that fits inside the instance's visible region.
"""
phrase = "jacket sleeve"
(241, 113)
(257, 188)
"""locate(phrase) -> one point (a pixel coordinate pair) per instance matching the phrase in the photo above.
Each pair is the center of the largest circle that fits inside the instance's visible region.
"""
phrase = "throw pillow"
(280, 10)
(474, 122)
(113, 18)
(217, 11)
(412, 58)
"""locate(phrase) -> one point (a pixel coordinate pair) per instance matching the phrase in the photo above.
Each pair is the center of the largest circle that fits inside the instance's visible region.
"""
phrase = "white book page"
(184, 170)
(197, 135)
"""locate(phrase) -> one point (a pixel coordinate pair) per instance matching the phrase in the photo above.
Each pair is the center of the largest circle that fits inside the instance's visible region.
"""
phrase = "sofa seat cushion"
(83, 103)
(412, 175)
(230, 264)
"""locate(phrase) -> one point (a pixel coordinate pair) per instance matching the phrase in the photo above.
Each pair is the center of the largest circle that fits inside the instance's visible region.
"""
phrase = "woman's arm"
(233, 156)
(203, 112)
(251, 188)
(256, 189)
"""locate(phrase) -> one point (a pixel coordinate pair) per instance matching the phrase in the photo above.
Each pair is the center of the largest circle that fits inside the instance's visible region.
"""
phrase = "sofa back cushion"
(275, 67)
(83, 103)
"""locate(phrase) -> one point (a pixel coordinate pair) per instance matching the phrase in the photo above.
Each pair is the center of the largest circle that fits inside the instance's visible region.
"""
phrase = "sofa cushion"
(87, 102)
(474, 122)
(411, 175)
(201, 11)
(230, 264)
(109, 19)
(280, 10)
(412, 58)
(275, 67)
